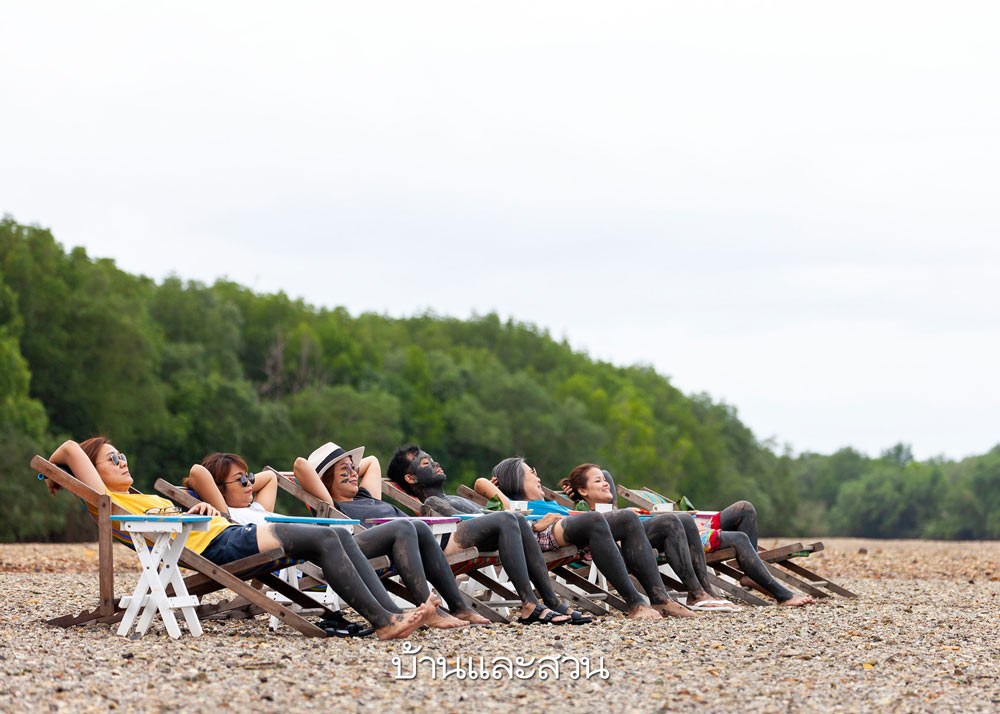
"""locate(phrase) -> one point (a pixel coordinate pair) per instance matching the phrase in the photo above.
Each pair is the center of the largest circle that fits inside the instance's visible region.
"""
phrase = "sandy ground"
(922, 636)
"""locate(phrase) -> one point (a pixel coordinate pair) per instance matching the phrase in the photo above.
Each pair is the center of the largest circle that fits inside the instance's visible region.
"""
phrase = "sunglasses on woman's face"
(244, 479)
(117, 458)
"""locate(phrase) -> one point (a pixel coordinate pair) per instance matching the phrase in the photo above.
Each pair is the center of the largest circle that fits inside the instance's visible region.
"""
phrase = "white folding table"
(169, 535)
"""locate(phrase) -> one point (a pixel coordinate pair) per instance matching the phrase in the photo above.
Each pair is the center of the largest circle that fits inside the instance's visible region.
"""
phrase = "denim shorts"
(232, 544)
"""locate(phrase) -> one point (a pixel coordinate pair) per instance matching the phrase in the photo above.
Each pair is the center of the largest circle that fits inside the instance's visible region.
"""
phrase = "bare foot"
(444, 621)
(644, 612)
(746, 582)
(400, 626)
(672, 609)
(798, 601)
(472, 617)
(404, 624)
(430, 610)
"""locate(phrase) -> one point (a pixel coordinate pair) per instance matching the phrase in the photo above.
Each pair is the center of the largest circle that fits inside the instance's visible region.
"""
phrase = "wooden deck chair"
(723, 560)
(575, 588)
(208, 576)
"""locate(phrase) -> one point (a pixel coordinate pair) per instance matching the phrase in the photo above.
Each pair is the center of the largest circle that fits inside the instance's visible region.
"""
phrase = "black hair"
(399, 466)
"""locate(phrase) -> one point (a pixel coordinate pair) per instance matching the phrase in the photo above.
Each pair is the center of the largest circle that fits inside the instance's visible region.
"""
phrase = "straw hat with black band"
(329, 454)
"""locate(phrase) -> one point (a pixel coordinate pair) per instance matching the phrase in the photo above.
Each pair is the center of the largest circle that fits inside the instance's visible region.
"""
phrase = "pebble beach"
(923, 636)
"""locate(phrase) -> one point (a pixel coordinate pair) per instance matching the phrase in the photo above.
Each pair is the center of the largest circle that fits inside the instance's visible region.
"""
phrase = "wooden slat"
(468, 493)
(819, 580)
(632, 498)
(558, 496)
(572, 578)
(227, 579)
(461, 556)
(802, 585)
(572, 596)
(300, 598)
(493, 584)
(394, 493)
(735, 590)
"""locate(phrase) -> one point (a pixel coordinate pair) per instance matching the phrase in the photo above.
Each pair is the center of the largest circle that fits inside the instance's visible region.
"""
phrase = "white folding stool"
(169, 535)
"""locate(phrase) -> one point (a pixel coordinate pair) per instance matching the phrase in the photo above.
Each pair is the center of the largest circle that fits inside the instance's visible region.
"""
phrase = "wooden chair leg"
(105, 556)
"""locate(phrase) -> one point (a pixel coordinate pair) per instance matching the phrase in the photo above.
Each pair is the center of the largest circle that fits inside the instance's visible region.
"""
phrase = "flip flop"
(535, 619)
(576, 617)
(715, 606)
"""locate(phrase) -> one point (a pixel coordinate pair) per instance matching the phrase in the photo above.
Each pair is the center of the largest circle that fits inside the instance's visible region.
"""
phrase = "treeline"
(175, 370)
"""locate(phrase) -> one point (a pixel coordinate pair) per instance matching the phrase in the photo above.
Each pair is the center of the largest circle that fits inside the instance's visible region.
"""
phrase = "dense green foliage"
(173, 371)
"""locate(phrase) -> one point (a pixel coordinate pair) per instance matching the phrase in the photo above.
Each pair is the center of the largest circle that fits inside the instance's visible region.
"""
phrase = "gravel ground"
(923, 636)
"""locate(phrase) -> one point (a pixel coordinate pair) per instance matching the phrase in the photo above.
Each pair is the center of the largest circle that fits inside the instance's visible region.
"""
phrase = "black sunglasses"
(117, 458)
(244, 479)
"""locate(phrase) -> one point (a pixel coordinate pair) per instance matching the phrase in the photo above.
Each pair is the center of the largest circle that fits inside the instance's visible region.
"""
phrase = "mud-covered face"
(425, 471)
(344, 480)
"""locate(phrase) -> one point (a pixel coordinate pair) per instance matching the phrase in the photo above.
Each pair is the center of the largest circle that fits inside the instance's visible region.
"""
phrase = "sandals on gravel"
(537, 619)
(576, 617)
(340, 626)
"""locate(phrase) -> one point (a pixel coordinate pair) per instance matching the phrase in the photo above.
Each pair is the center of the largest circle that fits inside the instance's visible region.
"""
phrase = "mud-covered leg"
(666, 534)
(751, 564)
(325, 547)
(592, 530)
(438, 572)
(740, 516)
(398, 541)
(696, 550)
(501, 532)
(640, 560)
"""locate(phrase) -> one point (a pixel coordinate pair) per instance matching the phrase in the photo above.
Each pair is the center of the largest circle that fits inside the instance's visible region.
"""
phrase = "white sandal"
(715, 606)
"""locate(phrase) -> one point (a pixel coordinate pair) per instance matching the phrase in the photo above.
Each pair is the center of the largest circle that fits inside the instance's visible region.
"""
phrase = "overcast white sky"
(792, 206)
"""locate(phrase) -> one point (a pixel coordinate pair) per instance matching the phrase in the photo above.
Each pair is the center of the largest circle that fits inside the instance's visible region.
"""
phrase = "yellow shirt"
(139, 503)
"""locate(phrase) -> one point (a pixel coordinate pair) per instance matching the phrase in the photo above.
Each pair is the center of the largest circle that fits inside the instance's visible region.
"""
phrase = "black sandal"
(340, 626)
(576, 617)
(536, 619)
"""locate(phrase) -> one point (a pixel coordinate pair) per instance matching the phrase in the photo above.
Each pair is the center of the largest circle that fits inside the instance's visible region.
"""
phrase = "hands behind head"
(203, 509)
